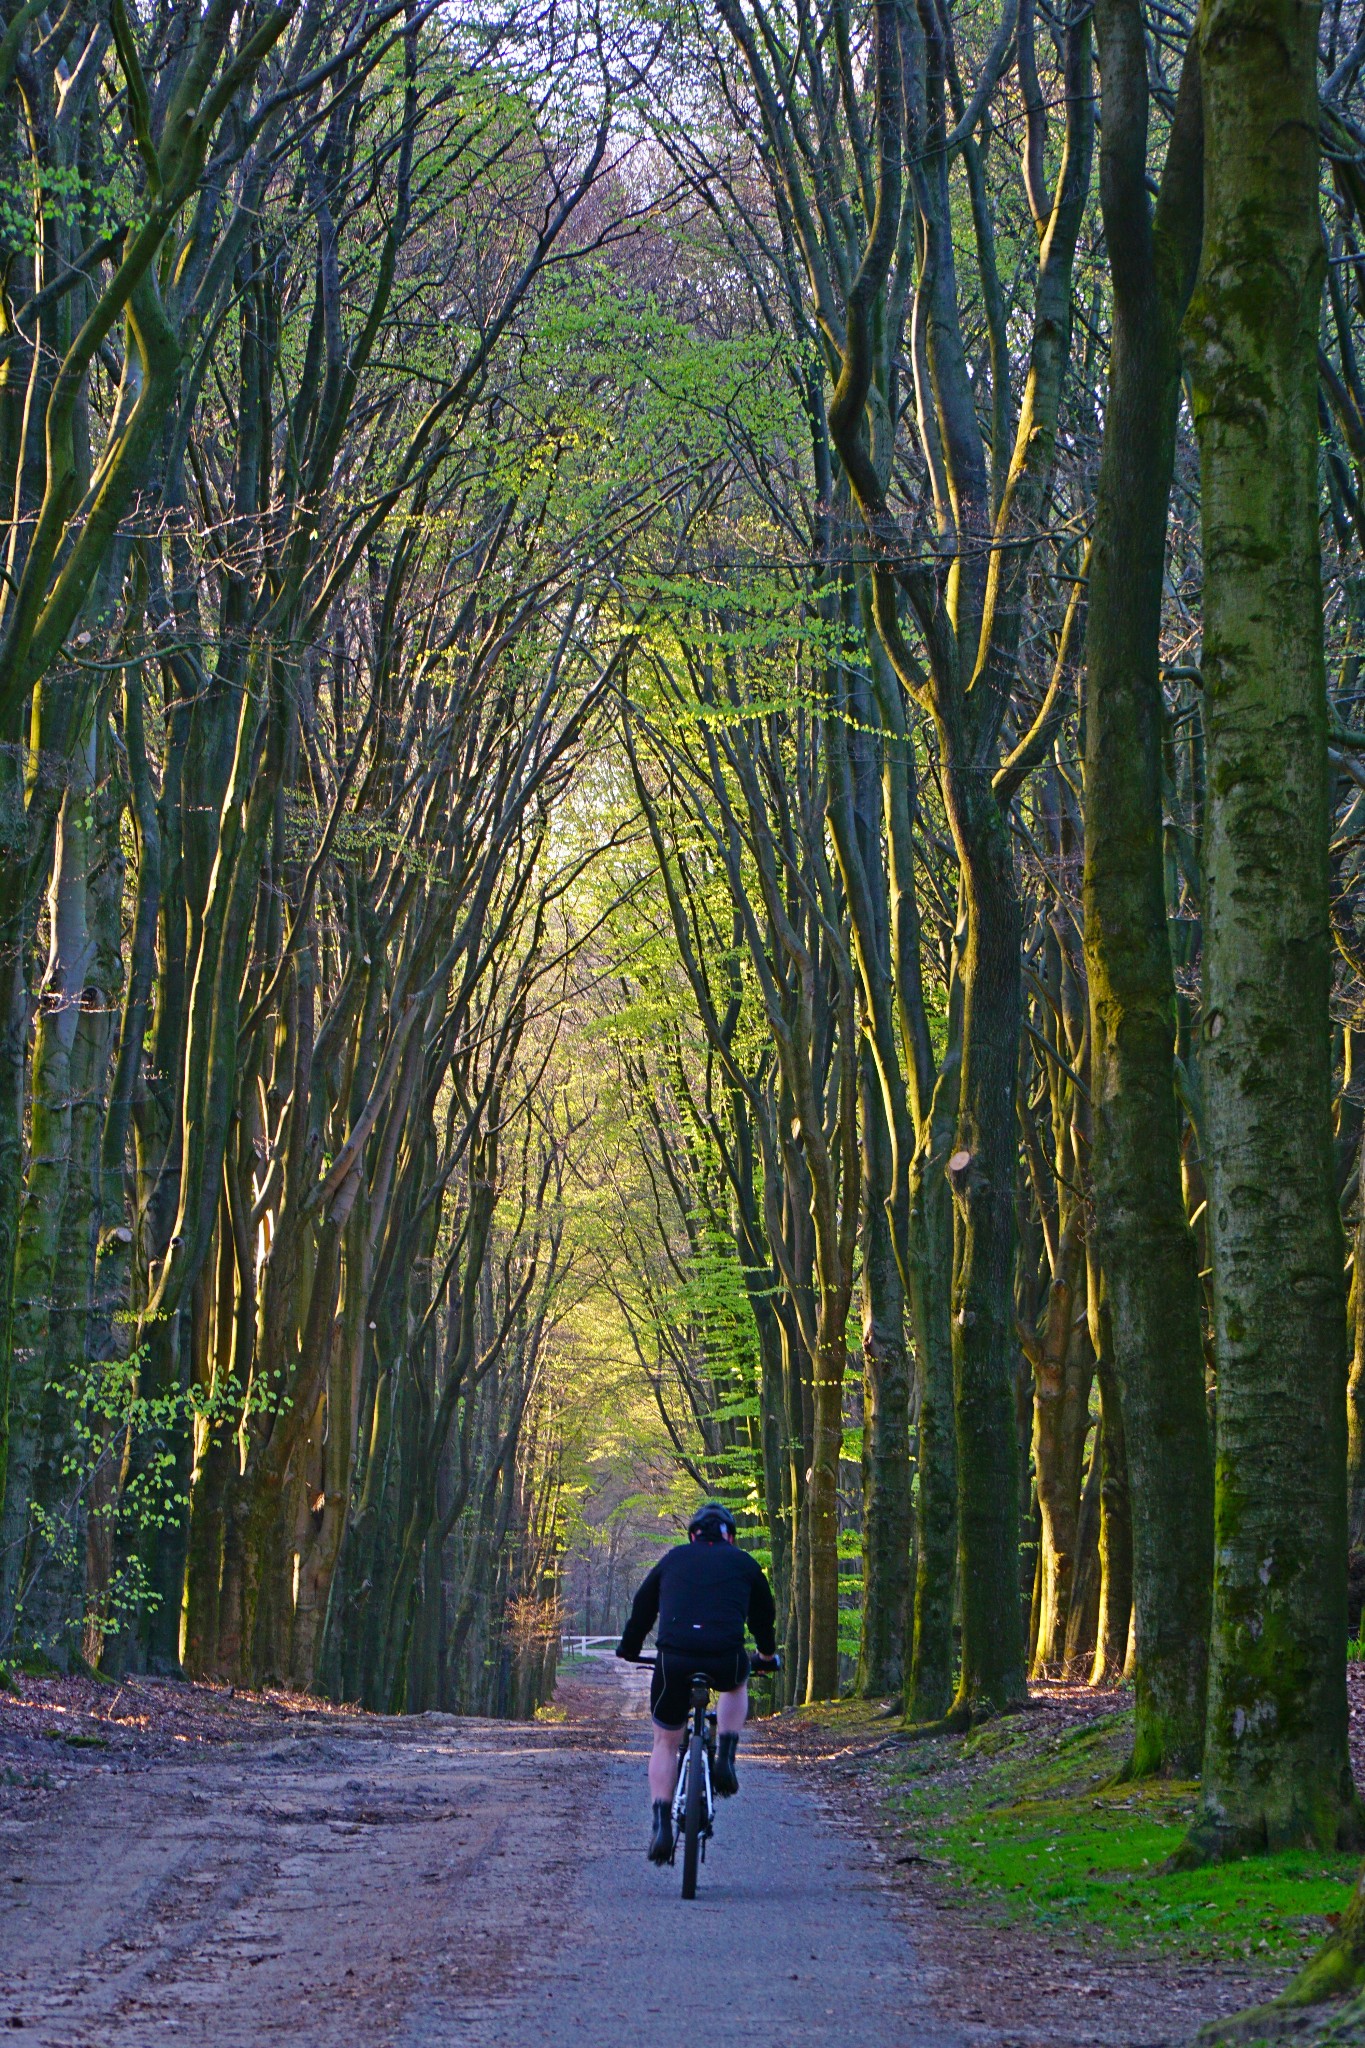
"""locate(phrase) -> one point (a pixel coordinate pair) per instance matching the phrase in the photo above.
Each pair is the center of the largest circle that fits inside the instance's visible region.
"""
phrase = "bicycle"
(694, 1802)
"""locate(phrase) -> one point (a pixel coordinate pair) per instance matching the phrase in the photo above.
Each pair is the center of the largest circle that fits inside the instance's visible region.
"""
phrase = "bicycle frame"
(701, 1722)
(694, 1805)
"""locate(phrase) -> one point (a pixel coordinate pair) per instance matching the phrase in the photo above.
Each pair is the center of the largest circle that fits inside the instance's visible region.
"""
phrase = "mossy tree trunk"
(1144, 1244)
(920, 1113)
(931, 1670)
(1338, 1967)
(1276, 1768)
(885, 1646)
(885, 1145)
(54, 1609)
(23, 1549)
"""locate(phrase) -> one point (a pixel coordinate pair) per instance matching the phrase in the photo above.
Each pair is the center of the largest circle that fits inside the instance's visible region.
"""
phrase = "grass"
(1033, 1825)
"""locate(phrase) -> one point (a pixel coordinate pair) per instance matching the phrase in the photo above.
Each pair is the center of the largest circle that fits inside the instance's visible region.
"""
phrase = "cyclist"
(701, 1594)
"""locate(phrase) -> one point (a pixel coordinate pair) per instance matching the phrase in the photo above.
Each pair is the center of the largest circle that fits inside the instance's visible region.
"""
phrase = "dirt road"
(432, 1881)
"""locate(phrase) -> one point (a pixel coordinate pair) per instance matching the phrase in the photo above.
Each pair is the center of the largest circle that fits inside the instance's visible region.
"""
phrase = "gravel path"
(432, 1881)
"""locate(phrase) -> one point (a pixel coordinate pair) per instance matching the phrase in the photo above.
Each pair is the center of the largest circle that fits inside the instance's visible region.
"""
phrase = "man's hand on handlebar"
(764, 1663)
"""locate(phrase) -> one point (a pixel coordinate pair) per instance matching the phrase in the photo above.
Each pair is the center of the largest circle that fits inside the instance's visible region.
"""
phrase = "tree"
(1276, 1769)
(1144, 1242)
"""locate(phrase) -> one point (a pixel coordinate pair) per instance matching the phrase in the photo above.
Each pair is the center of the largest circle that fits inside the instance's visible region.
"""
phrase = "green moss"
(849, 1717)
(1345, 2026)
(1041, 1828)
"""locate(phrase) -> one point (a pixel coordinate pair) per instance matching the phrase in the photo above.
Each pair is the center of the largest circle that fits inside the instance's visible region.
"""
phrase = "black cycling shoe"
(725, 1781)
(661, 1842)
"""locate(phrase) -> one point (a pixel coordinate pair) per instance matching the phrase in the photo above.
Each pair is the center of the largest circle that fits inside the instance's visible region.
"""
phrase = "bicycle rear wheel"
(692, 1815)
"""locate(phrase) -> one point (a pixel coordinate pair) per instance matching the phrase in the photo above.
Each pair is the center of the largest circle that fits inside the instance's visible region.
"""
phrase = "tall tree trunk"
(931, 1671)
(54, 1608)
(1062, 1372)
(1276, 1768)
(69, 960)
(885, 1142)
(1083, 1615)
(886, 1425)
(318, 1562)
(1144, 1244)
(921, 1113)
(797, 1385)
(1116, 1520)
(212, 1481)
(822, 1494)
(983, 1168)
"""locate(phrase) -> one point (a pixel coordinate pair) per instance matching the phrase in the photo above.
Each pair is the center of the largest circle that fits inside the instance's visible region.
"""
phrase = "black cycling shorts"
(670, 1691)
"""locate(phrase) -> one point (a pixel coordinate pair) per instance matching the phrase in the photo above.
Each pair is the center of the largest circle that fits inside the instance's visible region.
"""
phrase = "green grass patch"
(1036, 1827)
(850, 1717)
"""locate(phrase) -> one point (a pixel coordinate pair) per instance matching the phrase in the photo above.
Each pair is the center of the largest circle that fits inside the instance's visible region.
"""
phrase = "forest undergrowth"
(1027, 1828)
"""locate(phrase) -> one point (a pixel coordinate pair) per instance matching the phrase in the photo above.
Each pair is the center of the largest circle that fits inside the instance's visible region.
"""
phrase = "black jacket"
(702, 1594)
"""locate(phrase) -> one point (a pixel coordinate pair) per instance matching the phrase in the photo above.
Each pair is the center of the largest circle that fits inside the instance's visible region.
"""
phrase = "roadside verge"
(1052, 1917)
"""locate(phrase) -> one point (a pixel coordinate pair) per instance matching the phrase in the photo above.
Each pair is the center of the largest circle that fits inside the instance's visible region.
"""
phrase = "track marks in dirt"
(324, 1886)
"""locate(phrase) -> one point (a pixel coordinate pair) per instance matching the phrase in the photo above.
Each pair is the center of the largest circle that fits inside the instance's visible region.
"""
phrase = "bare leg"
(732, 1710)
(663, 1760)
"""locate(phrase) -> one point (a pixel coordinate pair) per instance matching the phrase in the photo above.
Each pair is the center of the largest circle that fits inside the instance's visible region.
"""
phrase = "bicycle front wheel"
(693, 1810)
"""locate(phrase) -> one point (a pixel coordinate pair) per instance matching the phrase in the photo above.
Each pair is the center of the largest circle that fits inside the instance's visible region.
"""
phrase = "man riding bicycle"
(701, 1593)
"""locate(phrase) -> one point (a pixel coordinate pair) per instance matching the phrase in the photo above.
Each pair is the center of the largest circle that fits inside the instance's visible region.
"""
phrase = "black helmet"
(711, 1522)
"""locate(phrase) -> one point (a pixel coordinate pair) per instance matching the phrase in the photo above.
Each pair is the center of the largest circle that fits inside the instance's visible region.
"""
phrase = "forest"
(682, 812)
